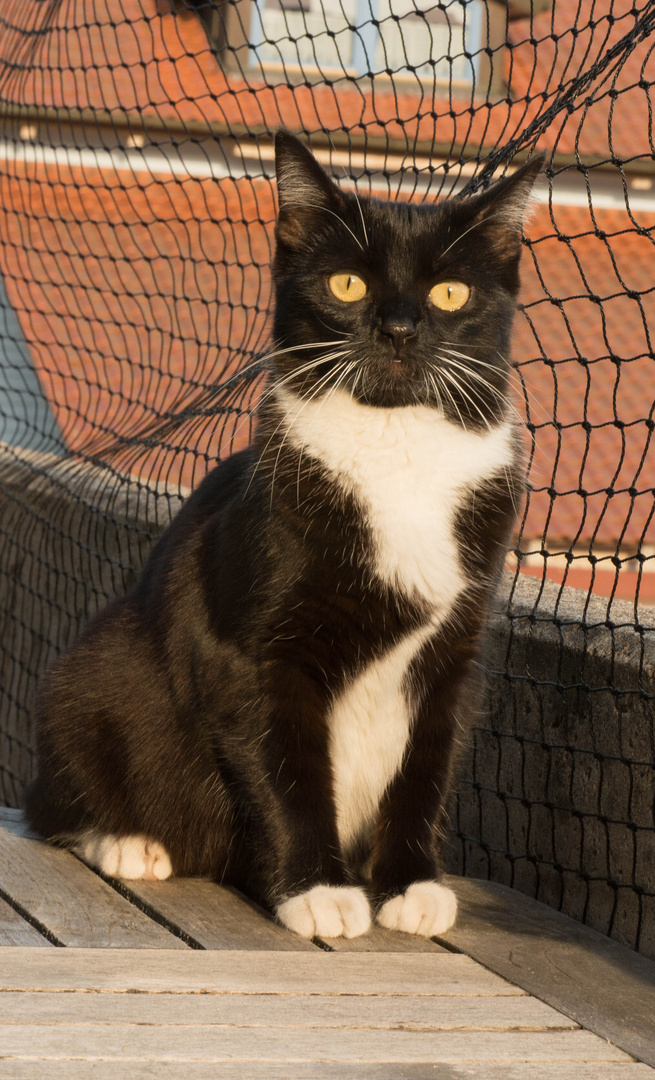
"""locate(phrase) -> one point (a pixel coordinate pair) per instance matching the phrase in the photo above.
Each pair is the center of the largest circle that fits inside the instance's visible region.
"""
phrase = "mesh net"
(136, 218)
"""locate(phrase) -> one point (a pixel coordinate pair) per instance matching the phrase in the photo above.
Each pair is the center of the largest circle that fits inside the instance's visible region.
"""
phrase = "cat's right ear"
(304, 190)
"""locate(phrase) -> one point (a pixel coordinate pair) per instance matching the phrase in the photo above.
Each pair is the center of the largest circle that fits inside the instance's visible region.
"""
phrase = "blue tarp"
(26, 419)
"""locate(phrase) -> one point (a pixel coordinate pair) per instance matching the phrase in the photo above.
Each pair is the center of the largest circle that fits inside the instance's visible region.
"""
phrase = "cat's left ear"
(304, 190)
(503, 207)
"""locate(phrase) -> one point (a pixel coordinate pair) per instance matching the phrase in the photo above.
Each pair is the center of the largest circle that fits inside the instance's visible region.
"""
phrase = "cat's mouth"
(388, 380)
(472, 396)
(464, 387)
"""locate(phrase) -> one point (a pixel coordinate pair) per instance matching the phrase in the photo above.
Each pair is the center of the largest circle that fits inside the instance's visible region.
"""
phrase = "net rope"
(137, 208)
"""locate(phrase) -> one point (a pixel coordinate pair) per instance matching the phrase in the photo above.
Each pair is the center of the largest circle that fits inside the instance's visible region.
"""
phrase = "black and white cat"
(278, 702)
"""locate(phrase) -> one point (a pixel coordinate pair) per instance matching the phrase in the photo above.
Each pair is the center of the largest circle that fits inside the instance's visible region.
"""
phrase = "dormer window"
(315, 40)
(368, 37)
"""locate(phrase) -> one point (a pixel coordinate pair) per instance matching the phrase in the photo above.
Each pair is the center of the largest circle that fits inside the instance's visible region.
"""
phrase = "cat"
(278, 702)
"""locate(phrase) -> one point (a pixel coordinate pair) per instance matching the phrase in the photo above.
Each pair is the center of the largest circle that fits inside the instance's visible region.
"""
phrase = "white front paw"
(129, 857)
(424, 908)
(327, 911)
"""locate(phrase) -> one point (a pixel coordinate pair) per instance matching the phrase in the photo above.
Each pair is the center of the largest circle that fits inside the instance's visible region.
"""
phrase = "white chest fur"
(409, 469)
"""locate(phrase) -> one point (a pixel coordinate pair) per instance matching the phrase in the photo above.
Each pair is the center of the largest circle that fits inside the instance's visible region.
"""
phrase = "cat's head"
(396, 303)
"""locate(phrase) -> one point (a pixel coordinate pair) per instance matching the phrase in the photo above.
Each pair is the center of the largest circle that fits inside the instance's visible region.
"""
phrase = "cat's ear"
(304, 190)
(504, 206)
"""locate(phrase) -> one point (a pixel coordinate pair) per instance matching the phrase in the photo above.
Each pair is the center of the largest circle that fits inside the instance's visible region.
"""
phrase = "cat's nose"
(399, 330)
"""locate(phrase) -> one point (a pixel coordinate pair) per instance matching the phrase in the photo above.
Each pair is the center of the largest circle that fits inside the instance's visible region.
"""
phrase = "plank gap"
(31, 919)
(320, 944)
(265, 913)
(222, 1025)
(447, 945)
(124, 890)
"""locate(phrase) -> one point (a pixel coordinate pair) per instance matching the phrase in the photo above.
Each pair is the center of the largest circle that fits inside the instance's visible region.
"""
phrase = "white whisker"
(475, 225)
(280, 351)
(447, 391)
(346, 369)
(276, 386)
(449, 362)
(361, 214)
(473, 359)
(317, 206)
(435, 387)
(314, 394)
(324, 358)
(449, 376)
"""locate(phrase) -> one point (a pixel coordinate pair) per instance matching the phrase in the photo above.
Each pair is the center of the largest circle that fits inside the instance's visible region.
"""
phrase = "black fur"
(195, 710)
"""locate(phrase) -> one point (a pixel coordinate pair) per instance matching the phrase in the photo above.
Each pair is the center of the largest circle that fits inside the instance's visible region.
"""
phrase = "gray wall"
(556, 791)
(72, 536)
(26, 418)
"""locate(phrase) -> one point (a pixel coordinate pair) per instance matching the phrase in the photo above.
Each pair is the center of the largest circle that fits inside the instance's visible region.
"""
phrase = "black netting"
(136, 216)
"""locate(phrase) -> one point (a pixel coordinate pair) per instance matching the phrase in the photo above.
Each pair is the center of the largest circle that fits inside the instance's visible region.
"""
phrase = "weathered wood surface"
(220, 918)
(218, 972)
(73, 905)
(420, 1013)
(279, 1014)
(214, 917)
(14, 930)
(275, 1070)
(205, 915)
(604, 986)
(223, 1043)
(252, 1000)
(379, 940)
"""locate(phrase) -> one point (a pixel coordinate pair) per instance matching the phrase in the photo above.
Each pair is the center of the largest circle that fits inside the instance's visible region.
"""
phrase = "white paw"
(424, 908)
(327, 911)
(128, 857)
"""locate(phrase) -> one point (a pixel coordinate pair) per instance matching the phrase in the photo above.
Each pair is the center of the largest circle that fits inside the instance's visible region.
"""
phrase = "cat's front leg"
(407, 892)
(311, 890)
(405, 885)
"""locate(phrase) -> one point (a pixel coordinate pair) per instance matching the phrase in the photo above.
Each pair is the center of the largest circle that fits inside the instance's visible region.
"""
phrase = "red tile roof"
(612, 116)
(593, 416)
(135, 294)
(137, 55)
(130, 287)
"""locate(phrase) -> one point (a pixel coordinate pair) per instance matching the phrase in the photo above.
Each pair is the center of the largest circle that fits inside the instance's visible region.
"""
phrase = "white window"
(361, 37)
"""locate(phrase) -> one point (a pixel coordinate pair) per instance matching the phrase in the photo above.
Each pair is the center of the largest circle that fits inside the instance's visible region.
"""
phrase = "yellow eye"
(450, 295)
(347, 287)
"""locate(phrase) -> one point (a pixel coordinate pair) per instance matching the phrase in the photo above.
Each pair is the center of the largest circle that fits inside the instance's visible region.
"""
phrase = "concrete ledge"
(555, 795)
(72, 536)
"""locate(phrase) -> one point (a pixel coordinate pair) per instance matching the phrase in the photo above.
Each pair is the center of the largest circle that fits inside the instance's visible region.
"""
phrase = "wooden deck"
(187, 979)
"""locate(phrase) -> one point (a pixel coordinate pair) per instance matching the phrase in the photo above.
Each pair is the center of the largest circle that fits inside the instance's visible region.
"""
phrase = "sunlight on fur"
(425, 908)
(327, 911)
(129, 857)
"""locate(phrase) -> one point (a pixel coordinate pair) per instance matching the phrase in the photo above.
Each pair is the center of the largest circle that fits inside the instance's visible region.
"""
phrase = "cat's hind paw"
(327, 911)
(129, 857)
(425, 908)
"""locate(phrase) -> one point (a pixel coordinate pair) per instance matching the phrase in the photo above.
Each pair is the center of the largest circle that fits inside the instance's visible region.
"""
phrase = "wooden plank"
(15, 931)
(601, 984)
(327, 1070)
(420, 1013)
(64, 897)
(219, 918)
(222, 972)
(215, 917)
(379, 940)
(224, 1043)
